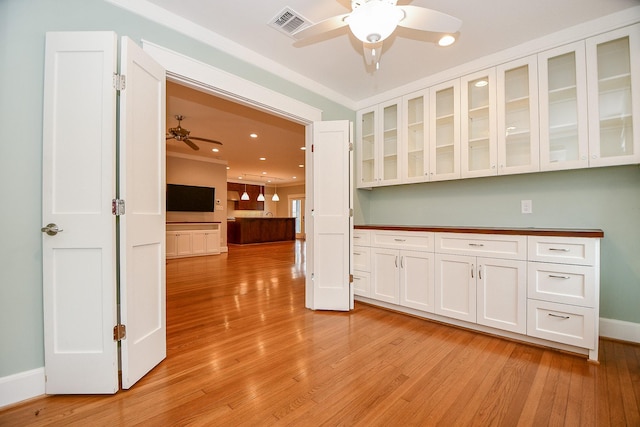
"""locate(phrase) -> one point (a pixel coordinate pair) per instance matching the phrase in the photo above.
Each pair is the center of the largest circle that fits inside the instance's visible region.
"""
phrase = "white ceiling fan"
(372, 21)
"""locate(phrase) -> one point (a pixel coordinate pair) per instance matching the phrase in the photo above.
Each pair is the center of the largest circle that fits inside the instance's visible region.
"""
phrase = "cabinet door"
(613, 78)
(198, 242)
(212, 242)
(414, 149)
(172, 243)
(183, 243)
(518, 131)
(444, 131)
(366, 128)
(385, 275)
(478, 139)
(455, 286)
(416, 280)
(389, 113)
(362, 283)
(562, 80)
(502, 294)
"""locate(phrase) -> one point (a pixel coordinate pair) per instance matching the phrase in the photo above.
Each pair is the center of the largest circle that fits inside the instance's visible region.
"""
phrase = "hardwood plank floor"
(243, 351)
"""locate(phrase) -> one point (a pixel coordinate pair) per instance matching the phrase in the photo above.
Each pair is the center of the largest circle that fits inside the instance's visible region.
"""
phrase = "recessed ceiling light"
(253, 135)
(264, 173)
(228, 167)
(215, 150)
(300, 166)
(263, 158)
(239, 177)
(446, 40)
(303, 148)
(294, 177)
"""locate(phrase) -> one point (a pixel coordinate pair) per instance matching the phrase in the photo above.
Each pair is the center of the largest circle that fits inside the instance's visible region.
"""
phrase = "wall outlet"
(526, 206)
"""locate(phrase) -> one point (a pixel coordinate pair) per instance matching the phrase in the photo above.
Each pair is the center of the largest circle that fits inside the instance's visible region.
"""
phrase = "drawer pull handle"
(400, 240)
(472, 268)
(476, 244)
(555, 276)
(559, 249)
(480, 272)
(357, 253)
(559, 317)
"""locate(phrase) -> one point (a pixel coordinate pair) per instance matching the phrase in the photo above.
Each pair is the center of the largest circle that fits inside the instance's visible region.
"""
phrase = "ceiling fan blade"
(420, 18)
(169, 136)
(206, 140)
(191, 144)
(321, 27)
(372, 52)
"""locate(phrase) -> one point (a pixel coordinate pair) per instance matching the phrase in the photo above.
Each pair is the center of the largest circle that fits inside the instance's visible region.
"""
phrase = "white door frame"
(209, 79)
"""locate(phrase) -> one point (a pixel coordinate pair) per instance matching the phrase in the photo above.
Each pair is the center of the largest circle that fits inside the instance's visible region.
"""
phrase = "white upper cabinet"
(518, 133)
(478, 138)
(564, 140)
(444, 124)
(415, 128)
(379, 136)
(613, 79)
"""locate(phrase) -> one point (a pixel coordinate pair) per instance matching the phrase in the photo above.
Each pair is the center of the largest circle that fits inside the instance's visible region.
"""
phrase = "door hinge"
(119, 82)
(119, 332)
(351, 146)
(351, 278)
(351, 212)
(312, 148)
(117, 207)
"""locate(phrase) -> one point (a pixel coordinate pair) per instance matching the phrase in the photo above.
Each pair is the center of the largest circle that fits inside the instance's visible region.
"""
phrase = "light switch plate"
(526, 206)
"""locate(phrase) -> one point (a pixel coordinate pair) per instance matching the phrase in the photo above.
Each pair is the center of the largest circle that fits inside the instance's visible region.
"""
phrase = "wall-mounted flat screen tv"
(189, 198)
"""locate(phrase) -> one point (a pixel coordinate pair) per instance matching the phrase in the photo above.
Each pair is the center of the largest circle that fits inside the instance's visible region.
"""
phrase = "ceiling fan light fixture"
(446, 40)
(374, 20)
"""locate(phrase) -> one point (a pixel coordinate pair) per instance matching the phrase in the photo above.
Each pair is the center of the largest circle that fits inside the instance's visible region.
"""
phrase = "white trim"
(205, 77)
(620, 330)
(168, 19)
(21, 386)
(569, 35)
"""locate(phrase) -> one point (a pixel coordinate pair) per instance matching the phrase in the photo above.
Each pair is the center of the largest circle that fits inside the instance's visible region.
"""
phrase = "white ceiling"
(334, 66)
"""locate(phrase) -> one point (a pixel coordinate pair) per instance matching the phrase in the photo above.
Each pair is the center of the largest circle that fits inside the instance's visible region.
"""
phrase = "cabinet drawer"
(361, 237)
(563, 323)
(362, 283)
(564, 250)
(497, 246)
(569, 284)
(362, 258)
(412, 240)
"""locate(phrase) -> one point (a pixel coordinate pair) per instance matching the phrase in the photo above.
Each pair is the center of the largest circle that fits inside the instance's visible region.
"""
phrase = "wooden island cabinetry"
(260, 230)
(536, 285)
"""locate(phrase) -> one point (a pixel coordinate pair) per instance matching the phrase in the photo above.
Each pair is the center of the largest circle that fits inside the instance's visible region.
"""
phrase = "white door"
(142, 227)
(78, 184)
(331, 220)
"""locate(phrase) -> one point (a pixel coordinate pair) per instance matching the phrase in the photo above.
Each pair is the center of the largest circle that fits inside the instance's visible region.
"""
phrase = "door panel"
(142, 227)
(331, 216)
(79, 263)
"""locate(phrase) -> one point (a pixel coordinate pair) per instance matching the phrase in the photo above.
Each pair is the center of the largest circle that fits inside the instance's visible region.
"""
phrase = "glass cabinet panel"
(415, 125)
(478, 133)
(518, 143)
(367, 150)
(563, 103)
(390, 143)
(445, 131)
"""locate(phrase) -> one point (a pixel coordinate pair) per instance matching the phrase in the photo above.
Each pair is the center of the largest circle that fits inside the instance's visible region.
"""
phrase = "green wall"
(23, 24)
(604, 198)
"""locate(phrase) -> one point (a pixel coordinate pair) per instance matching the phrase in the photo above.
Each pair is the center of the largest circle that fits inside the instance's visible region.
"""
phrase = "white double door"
(101, 270)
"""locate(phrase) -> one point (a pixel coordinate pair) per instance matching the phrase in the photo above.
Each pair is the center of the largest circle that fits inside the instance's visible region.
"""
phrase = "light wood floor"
(243, 350)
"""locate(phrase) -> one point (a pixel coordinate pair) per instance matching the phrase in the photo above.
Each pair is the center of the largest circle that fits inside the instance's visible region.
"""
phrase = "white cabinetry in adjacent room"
(613, 79)
(192, 239)
(482, 279)
(518, 132)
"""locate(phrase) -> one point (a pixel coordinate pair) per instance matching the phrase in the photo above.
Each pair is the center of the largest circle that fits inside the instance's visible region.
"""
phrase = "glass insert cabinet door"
(390, 136)
(367, 147)
(478, 145)
(613, 75)
(444, 153)
(518, 134)
(563, 108)
(415, 118)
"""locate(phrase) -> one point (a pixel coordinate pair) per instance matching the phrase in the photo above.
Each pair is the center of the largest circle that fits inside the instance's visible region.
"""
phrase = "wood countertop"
(559, 232)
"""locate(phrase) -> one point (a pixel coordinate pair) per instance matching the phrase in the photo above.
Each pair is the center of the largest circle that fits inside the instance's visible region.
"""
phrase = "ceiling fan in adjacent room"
(181, 134)
(372, 21)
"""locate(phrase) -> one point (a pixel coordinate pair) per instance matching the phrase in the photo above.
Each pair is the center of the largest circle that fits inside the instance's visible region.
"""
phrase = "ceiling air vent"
(288, 21)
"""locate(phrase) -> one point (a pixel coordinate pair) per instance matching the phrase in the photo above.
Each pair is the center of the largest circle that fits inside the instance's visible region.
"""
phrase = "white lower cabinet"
(361, 261)
(516, 285)
(185, 240)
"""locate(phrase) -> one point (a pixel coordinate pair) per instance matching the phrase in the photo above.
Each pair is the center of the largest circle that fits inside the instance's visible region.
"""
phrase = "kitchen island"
(260, 230)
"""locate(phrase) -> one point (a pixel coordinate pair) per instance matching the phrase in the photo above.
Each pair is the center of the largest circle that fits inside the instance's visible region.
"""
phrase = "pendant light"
(261, 195)
(245, 195)
(275, 197)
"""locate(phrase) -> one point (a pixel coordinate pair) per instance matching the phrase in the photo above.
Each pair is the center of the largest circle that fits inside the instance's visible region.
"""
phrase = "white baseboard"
(21, 386)
(620, 330)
